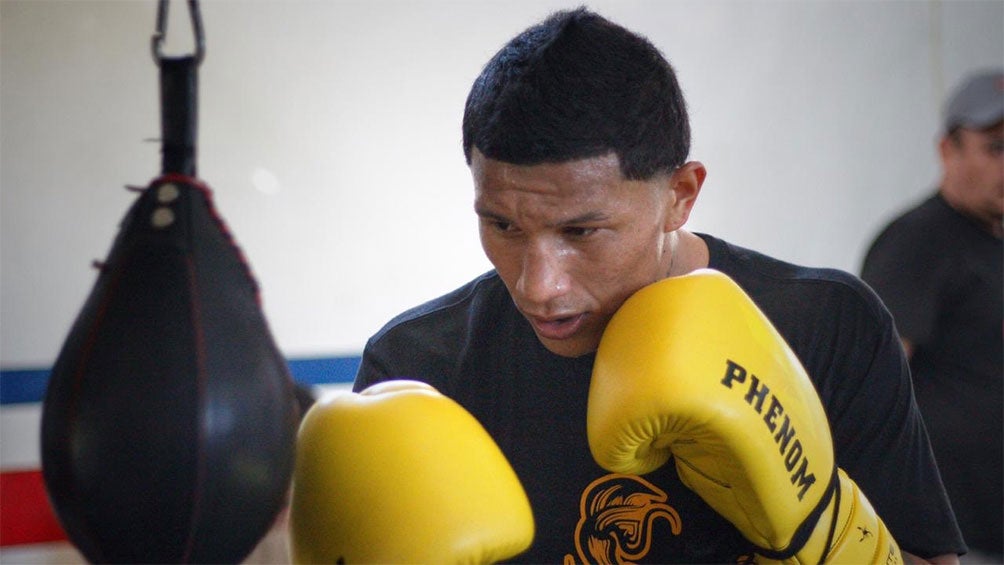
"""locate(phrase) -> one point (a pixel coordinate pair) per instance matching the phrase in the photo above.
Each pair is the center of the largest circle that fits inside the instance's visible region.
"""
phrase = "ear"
(685, 185)
(948, 148)
(944, 148)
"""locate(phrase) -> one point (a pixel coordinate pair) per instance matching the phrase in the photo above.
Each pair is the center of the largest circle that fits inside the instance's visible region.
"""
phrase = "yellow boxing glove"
(689, 368)
(400, 473)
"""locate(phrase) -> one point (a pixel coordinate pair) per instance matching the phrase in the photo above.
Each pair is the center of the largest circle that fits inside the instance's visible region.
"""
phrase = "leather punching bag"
(168, 426)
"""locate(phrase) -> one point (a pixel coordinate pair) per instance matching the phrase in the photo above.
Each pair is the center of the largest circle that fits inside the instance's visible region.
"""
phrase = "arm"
(907, 347)
(690, 369)
(370, 370)
(898, 266)
(890, 456)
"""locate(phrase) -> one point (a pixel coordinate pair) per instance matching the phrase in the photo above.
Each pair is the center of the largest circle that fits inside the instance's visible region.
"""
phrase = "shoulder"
(785, 290)
(834, 322)
(920, 229)
(932, 208)
(846, 340)
(426, 342)
(914, 260)
(455, 305)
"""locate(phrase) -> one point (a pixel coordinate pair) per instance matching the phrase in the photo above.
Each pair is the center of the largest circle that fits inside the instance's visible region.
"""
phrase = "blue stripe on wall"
(28, 385)
(325, 370)
(17, 387)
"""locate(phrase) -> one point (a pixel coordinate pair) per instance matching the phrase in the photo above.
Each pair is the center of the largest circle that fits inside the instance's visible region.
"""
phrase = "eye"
(500, 226)
(996, 147)
(578, 231)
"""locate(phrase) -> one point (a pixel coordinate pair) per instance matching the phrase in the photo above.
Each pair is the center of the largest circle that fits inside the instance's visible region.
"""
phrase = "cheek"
(628, 266)
(490, 247)
(491, 243)
(485, 243)
(648, 259)
(982, 180)
(502, 254)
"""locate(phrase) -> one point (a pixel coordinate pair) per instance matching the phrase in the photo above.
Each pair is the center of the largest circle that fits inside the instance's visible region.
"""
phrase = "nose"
(543, 275)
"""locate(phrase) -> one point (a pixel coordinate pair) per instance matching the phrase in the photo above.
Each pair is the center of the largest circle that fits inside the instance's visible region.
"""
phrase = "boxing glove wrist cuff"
(805, 530)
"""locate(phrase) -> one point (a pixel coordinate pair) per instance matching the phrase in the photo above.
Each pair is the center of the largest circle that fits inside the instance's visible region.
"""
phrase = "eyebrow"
(586, 218)
(483, 212)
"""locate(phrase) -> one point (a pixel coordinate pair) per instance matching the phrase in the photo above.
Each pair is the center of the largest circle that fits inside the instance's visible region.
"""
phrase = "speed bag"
(169, 422)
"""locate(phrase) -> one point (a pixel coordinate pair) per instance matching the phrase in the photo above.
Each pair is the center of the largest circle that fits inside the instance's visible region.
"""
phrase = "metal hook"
(157, 41)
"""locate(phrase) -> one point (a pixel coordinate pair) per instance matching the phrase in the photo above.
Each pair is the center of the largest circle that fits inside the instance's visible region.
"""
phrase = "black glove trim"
(805, 530)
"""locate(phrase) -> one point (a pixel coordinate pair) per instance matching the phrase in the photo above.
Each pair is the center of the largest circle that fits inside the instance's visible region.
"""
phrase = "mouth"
(557, 328)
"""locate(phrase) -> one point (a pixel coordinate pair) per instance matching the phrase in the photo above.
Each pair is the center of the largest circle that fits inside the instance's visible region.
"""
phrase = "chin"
(569, 347)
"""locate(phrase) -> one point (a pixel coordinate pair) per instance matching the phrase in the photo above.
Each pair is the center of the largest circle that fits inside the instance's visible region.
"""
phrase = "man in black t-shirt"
(938, 267)
(577, 137)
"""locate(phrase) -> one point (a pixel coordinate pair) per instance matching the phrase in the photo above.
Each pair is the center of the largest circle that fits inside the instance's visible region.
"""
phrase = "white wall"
(330, 132)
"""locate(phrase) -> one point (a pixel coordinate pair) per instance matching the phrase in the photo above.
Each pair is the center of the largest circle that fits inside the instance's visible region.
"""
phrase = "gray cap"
(977, 103)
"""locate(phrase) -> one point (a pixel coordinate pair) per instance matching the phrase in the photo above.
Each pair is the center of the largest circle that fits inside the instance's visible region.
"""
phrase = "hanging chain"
(157, 42)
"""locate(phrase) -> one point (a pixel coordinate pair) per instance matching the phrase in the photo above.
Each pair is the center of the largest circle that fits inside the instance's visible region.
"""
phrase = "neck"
(994, 225)
(996, 229)
(688, 253)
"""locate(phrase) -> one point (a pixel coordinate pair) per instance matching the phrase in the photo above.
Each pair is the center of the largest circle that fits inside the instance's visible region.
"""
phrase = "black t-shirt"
(941, 277)
(474, 346)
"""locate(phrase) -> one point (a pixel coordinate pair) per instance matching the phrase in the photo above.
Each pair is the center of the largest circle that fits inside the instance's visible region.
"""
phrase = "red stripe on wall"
(25, 514)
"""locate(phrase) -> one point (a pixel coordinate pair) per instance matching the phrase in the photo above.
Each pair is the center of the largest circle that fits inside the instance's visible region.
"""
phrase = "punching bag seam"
(217, 219)
(78, 373)
(198, 492)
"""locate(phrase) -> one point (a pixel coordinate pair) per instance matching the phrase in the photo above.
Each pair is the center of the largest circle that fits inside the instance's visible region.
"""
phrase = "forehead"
(578, 179)
(977, 142)
(994, 131)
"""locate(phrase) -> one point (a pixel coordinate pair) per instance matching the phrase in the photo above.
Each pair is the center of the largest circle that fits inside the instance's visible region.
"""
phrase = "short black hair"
(577, 86)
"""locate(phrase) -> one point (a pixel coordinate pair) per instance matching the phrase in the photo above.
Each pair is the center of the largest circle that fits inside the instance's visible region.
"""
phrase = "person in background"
(938, 269)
